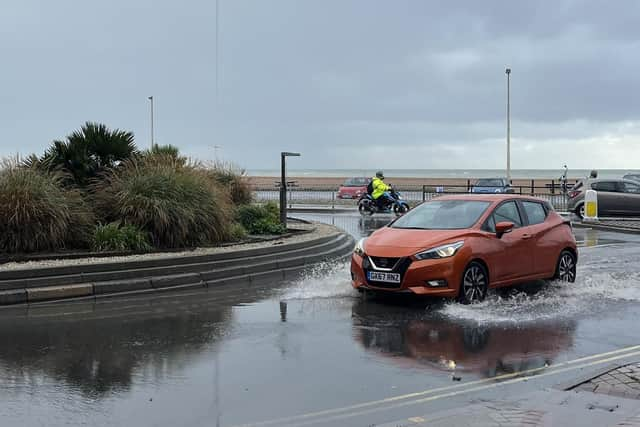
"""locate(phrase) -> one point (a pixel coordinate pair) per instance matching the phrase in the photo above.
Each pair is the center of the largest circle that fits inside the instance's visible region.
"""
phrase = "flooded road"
(206, 358)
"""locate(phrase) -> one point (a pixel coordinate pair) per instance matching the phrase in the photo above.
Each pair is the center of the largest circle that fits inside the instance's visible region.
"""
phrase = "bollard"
(590, 206)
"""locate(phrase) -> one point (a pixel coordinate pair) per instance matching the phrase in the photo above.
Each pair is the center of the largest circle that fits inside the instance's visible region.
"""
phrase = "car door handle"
(527, 236)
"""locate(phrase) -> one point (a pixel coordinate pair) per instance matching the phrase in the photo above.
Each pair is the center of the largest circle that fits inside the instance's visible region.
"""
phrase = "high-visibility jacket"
(379, 187)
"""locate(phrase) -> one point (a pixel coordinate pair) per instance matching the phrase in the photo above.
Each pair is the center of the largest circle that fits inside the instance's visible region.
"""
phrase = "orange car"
(459, 246)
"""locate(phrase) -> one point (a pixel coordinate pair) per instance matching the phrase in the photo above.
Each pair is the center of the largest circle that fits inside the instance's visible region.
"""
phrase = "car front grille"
(397, 265)
(384, 263)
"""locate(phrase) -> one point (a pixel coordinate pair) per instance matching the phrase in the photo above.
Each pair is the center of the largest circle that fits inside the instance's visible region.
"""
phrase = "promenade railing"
(330, 196)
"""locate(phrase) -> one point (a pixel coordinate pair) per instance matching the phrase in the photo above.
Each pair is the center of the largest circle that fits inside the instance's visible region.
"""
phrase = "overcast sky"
(349, 83)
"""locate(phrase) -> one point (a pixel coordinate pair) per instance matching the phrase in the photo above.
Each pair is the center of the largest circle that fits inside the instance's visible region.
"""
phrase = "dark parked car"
(353, 188)
(492, 185)
(616, 197)
(632, 177)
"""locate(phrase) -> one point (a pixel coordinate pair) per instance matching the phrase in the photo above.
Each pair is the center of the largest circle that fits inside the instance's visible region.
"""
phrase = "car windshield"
(632, 176)
(489, 183)
(355, 182)
(443, 215)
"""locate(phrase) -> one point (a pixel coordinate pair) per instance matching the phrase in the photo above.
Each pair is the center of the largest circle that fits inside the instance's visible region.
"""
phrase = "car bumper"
(415, 279)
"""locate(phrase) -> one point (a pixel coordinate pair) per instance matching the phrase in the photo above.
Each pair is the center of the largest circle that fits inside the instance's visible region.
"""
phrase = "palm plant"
(89, 152)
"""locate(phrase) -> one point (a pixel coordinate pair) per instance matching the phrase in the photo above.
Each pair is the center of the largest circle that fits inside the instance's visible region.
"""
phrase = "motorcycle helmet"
(380, 174)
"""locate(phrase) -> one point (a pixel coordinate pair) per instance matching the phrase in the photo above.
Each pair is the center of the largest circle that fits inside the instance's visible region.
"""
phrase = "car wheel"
(475, 282)
(580, 210)
(566, 268)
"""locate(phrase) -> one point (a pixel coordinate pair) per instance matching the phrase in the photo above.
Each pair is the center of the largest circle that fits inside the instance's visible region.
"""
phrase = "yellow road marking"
(553, 368)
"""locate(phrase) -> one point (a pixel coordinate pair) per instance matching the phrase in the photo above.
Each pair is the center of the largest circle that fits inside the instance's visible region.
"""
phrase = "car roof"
(609, 180)
(494, 198)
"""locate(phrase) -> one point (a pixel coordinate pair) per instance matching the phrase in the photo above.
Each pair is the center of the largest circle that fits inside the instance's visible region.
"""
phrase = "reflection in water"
(411, 336)
(98, 349)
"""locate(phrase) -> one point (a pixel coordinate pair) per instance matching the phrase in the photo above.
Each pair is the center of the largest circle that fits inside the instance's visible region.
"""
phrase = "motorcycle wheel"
(400, 209)
(364, 209)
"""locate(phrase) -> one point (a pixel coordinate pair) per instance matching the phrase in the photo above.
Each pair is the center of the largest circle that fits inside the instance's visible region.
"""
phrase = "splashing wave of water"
(554, 300)
(326, 280)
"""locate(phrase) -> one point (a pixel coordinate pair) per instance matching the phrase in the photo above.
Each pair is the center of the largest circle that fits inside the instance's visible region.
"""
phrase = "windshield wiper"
(413, 228)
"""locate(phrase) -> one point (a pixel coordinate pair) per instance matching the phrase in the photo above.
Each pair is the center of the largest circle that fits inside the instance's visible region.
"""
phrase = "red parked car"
(353, 188)
(460, 246)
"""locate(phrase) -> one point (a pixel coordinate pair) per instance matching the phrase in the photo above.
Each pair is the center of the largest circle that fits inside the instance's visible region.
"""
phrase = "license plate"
(347, 196)
(384, 277)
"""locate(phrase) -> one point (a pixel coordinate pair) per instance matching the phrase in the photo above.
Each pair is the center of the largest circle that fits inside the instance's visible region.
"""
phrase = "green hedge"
(261, 219)
(113, 237)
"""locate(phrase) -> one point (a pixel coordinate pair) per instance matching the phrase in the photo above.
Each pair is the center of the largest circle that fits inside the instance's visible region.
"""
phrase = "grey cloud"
(328, 78)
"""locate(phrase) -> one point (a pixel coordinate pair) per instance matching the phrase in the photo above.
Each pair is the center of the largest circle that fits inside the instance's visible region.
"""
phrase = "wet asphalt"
(311, 351)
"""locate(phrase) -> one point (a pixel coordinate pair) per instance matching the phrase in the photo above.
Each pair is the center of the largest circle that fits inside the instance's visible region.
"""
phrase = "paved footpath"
(609, 399)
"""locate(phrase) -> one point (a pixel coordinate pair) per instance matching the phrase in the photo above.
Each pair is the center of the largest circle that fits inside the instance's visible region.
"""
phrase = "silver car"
(616, 197)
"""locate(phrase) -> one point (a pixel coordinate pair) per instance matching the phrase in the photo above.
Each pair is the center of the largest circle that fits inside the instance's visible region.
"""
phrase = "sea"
(447, 173)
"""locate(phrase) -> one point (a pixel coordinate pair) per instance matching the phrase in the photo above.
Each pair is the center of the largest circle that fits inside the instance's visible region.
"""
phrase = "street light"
(152, 140)
(283, 185)
(508, 72)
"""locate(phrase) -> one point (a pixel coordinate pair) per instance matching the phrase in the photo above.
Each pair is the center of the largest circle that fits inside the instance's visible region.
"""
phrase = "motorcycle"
(368, 206)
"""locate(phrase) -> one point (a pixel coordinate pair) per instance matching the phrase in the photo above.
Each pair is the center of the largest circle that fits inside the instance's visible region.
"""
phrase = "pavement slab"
(623, 381)
(545, 408)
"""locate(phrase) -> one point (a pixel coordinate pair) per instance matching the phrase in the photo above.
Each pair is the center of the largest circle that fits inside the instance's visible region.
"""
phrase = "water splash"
(325, 280)
(554, 300)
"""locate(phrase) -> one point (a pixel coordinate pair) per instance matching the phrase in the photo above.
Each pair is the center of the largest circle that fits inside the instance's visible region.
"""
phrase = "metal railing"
(326, 196)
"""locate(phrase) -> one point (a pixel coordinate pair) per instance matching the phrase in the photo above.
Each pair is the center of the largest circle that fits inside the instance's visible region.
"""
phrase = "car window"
(490, 183)
(490, 225)
(507, 212)
(535, 212)
(605, 186)
(629, 187)
(355, 182)
(443, 215)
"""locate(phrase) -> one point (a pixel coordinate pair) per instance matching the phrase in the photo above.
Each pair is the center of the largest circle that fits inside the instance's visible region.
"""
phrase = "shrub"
(233, 180)
(238, 232)
(163, 152)
(176, 204)
(261, 219)
(37, 213)
(113, 237)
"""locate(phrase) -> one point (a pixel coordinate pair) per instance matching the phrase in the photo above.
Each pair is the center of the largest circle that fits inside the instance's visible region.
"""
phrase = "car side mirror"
(503, 228)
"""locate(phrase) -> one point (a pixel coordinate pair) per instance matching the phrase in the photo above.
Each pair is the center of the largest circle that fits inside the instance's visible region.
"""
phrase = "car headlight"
(444, 251)
(359, 249)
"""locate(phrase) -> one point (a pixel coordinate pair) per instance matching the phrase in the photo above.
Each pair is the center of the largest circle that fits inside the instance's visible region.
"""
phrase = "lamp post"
(283, 185)
(152, 140)
(508, 72)
(217, 45)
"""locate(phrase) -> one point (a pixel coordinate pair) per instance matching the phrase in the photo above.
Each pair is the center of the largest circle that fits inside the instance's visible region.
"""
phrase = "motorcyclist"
(381, 191)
